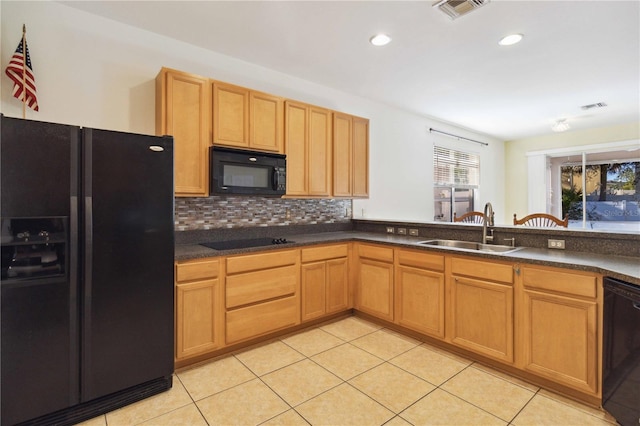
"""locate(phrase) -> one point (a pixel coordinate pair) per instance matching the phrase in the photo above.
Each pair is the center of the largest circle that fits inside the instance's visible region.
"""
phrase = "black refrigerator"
(87, 270)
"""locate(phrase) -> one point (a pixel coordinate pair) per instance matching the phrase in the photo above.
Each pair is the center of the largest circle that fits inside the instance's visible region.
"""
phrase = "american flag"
(15, 69)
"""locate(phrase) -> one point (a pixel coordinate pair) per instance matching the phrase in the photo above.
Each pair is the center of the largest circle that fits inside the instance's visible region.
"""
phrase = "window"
(609, 190)
(597, 185)
(456, 177)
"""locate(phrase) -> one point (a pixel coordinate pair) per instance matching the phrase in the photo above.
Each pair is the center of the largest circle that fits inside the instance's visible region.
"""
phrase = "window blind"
(455, 168)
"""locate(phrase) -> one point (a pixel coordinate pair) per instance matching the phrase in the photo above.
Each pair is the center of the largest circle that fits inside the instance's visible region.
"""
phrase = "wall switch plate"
(389, 229)
(402, 231)
(413, 232)
(556, 244)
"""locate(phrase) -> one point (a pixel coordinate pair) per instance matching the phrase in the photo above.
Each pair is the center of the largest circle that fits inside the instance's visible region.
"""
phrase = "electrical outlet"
(389, 229)
(402, 231)
(287, 214)
(556, 244)
(413, 232)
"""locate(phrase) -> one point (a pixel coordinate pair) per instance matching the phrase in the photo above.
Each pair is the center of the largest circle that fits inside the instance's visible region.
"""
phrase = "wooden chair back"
(470, 217)
(541, 220)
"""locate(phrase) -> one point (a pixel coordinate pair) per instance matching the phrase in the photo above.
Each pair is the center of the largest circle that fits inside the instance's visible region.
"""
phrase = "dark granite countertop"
(620, 267)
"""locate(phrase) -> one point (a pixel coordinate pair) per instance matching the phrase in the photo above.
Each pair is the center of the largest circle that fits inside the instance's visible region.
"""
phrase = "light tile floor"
(350, 372)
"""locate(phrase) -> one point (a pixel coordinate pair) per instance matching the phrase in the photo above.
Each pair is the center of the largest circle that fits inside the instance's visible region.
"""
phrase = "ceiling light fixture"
(380, 39)
(510, 39)
(561, 125)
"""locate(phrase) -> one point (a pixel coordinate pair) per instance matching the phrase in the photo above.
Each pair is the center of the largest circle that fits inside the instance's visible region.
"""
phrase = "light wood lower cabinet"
(262, 293)
(324, 281)
(543, 321)
(481, 307)
(199, 308)
(560, 326)
(420, 291)
(374, 284)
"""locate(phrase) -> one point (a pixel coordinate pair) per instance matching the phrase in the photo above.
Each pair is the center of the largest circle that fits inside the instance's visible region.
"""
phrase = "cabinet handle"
(516, 269)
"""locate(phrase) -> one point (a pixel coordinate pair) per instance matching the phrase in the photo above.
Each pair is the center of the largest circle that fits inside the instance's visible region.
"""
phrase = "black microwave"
(239, 172)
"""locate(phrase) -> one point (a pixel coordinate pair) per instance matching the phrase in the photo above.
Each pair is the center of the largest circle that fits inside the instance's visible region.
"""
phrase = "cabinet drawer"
(315, 254)
(482, 269)
(254, 262)
(420, 259)
(384, 254)
(560, 281)
(252, 321)
(252, 287)
(200, 269)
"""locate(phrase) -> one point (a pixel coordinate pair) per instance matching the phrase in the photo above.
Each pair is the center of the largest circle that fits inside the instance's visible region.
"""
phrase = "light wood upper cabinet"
(360, 163)
(481, 308)
(420, 292)
(308, 149)
(327, 152)
(350, 156)
(265, 122)
(296, 147)
(560, 326)
(183, 111)
(199, 308)
(230, 115)
(342, 154)
(247, 119)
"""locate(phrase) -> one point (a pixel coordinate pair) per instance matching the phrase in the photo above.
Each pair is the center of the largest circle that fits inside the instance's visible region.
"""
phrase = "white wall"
(95, 72)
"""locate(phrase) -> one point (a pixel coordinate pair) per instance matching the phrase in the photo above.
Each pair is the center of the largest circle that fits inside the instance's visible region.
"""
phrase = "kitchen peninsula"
(475, 303)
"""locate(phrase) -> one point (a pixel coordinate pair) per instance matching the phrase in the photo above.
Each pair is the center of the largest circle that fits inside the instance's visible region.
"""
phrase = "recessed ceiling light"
(510, 39)
(380, 39)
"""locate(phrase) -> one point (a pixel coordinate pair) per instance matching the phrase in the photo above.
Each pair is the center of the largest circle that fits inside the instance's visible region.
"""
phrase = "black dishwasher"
(621, 351)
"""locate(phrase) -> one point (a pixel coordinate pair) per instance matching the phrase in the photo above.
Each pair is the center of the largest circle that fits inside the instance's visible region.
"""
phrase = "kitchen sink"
(469, 245)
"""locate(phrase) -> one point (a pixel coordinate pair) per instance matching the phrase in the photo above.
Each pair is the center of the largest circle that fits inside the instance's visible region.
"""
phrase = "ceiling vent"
(456, 8)
(592, 106)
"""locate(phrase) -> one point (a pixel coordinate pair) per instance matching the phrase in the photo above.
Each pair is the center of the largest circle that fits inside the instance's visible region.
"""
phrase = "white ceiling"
(573, 53)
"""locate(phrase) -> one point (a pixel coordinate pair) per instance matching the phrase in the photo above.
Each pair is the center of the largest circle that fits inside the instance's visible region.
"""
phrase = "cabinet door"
(313, 290)
(265, 122)
(296, 148)
(360, 173)
(375, 288)
(560, 339)
(342, 147)
(230, 115)
(419, 300)
(337, 285)
(319, 152)
(199, 318)
(183, 111)
(482, 317)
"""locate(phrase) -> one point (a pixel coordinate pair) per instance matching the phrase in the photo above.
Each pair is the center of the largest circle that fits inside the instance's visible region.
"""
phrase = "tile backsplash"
(240, 212)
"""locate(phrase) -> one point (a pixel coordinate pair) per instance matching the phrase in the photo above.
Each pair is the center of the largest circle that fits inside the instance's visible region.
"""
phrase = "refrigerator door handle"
(74, 243)
(87, 262)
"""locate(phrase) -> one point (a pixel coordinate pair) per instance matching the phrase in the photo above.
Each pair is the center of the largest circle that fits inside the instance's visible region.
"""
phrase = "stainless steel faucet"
(488, 221)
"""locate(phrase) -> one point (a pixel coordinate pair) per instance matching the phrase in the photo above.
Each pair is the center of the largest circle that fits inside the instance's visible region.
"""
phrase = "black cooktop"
(240, 244)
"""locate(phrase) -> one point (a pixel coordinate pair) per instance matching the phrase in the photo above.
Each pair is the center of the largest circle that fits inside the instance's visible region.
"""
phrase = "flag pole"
(24, 71)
